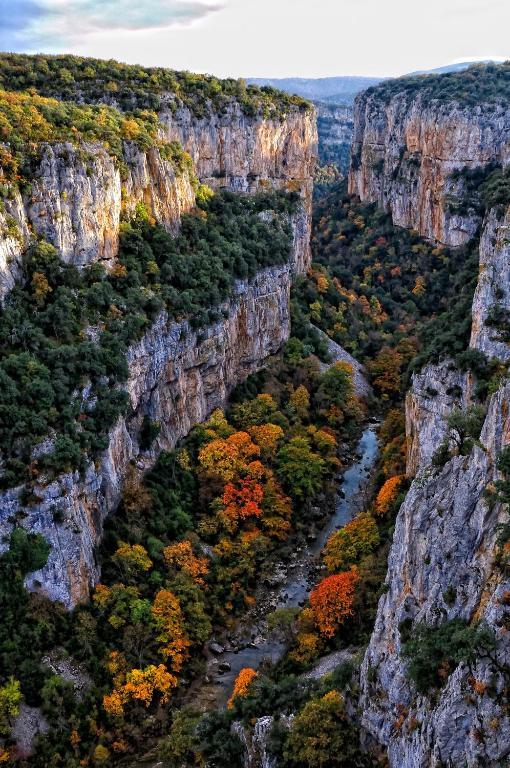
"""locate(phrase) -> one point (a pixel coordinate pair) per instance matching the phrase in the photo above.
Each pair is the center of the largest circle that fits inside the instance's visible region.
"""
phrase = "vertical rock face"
(336, 129)
(176, 376)
(492, 295)
(78, 194)
(442, 564)
(434, 392)
(405, 151)
(76, 199)
(248, 154)
(441, 567)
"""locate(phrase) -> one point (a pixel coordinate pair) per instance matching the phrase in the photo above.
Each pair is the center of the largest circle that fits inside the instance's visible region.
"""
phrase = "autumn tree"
(241, 501)
(347, 546)
(136, 685)
(166, 611)
(387, 495)
(260, 410)
(267, 437)
(277, 510)
(131, 559)
(10, 700)
(300, 402)
(224, 458)
(332, 601)
(242, 685)
(385, 371)
(182, 557)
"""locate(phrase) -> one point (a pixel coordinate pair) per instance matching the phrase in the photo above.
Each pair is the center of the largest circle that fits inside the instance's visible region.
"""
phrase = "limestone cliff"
(441, 567)
(76, 198)
(248, 155)
(442, 563)
(78, 193)
(177, 376)
(406, 152)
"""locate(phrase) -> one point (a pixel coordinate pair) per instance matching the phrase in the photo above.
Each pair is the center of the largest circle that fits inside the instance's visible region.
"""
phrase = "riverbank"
(253, 644)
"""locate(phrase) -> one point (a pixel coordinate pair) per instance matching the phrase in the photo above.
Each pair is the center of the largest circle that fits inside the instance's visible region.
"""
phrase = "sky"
(264, 38)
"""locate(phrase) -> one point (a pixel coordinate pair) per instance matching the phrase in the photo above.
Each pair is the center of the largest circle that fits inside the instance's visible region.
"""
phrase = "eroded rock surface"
(405, 153)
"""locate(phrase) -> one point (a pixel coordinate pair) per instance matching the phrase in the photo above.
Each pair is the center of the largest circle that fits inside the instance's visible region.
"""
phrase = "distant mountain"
(343, 90)
(450, 68)
(337, 90)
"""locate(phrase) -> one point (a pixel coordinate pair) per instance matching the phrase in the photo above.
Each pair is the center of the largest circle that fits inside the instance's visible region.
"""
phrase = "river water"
(255, 644)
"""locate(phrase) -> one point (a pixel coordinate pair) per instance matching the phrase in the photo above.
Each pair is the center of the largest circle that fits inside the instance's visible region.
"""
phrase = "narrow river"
(253, 643)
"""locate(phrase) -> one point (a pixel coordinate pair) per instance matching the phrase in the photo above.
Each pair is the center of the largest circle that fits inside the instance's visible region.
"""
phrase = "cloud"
(36, 24)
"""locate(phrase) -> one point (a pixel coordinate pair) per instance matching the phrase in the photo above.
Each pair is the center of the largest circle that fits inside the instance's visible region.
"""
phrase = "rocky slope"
(407, 148)
(442, 564)
(177, 376)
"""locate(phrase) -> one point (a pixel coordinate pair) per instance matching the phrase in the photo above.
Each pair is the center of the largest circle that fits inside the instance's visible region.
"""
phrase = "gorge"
(190, 351)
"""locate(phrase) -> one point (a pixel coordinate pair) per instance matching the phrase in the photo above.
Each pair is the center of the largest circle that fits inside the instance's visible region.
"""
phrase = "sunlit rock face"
(405, 154)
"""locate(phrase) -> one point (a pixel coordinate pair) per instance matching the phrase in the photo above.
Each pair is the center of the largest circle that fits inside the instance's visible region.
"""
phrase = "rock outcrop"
(492, 295)
(406, 152)
(410, 156)
(249, 155)
(78, 194)
(335, 124)
(441, 567)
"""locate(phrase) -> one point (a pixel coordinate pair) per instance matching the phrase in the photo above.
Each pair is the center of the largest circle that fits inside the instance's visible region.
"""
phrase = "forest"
(46, 356)
(72, 78)
(182, 558)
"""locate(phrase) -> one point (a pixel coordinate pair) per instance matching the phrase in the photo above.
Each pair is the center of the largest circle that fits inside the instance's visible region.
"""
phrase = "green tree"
(465, 426)
(321, 736)
(10, 700)
(300, 469)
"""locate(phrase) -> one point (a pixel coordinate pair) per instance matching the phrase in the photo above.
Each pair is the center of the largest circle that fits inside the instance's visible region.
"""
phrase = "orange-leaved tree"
(166, 611)
(225, 458)
(242, 684)
(136, 685)
(267, 437)
(387, 494)
(241, 501)
(182, 557)
(332, 601)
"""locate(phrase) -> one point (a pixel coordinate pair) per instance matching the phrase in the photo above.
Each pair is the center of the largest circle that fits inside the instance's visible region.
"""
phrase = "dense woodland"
(183, 556)
(480, 84)
(48, 327)
(71, 78)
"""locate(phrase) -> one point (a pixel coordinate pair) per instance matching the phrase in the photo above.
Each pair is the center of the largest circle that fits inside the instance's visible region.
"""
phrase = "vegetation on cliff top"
(132, 87)
(65, 331)
(479, 84)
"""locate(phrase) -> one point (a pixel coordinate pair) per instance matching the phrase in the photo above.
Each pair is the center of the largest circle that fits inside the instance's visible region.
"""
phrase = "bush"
(433, 653)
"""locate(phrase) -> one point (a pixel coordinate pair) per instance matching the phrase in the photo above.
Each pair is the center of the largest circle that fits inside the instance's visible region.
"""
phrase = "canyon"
(421, 159)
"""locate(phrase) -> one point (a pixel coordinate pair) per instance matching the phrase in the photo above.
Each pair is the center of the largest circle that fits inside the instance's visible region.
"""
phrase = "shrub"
(433, 653)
